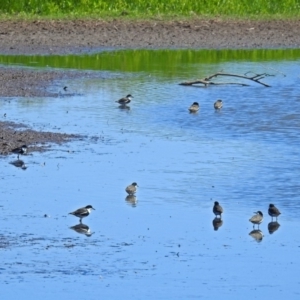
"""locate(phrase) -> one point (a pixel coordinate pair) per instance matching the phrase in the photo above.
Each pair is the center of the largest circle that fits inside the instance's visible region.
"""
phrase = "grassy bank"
(254, 9)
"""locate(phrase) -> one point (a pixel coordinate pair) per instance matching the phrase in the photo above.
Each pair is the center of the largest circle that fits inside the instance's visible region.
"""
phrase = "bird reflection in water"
(19, 164)
(273, 226)
(125, 107)
(82, 229)
(131, 200)
(257, 235)
(217, 223)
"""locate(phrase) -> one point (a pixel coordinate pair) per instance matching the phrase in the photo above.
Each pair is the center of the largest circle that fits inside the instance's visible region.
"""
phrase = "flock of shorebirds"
(84, 212)
(193, 108)
(273, 211)
(22, 150)
(131, 189)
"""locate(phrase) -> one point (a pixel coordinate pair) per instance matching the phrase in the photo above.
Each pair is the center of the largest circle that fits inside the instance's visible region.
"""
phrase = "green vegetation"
(150, 8)
(151, 61)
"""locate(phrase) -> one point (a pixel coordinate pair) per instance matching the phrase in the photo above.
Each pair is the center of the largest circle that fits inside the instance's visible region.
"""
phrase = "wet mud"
(84, 36)
(26, 82)
(14, 135)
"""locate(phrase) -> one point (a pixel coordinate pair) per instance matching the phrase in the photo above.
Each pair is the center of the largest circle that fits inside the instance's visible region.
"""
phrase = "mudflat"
(78, 36)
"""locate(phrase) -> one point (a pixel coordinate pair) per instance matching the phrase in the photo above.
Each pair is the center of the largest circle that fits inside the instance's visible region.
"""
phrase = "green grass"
(253, 9)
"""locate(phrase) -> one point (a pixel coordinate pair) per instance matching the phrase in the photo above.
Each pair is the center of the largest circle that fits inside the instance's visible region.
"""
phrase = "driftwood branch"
(206, 83)
(207, 80)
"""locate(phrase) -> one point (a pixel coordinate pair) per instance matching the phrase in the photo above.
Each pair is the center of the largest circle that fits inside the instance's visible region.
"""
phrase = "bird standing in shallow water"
(218, 104)
(82, 212)
(257, 218)
(20, 150)
(273, 211)
(217, 209)
(194, 107)
(131, 189)
(125, 100)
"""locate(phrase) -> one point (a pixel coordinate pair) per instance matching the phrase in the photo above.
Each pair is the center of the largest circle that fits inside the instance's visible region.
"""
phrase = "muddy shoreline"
(84, 36)
(14, 135)
(48, 37)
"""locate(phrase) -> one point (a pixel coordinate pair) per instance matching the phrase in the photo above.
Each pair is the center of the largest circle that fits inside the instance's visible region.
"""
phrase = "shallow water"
(163, 245)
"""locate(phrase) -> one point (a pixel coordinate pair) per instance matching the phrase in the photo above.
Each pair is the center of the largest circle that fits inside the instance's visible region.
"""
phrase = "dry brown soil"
(59, 37)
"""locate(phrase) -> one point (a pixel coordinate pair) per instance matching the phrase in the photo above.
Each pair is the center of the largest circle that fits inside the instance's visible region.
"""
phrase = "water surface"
(162, 246)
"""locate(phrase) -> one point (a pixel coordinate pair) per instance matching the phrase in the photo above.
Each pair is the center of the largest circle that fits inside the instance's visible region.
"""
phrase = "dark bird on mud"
(82, 212)
(19, 164)
(194, 107)
(82, 229)
(125, 100)
(217, 209)
(218, 104)
(131, 189)
(273, 211)
(20, 150)
(257, 218)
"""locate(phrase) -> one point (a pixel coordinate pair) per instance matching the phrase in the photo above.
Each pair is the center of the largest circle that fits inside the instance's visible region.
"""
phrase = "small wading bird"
(125, 100)
(82, 212)
(273, 211)
(20, 150)
(218, 104)
(194, 107)
(131, 189)
(257, 218)
(217, 209)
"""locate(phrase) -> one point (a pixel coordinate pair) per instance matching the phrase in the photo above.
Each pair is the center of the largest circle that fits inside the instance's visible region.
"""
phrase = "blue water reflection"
(161, 243)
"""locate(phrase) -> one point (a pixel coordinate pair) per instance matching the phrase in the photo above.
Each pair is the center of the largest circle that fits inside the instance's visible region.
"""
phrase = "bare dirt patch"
(77, 36)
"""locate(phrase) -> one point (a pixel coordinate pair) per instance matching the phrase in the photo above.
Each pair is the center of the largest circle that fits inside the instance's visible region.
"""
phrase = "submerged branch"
(207, 80)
